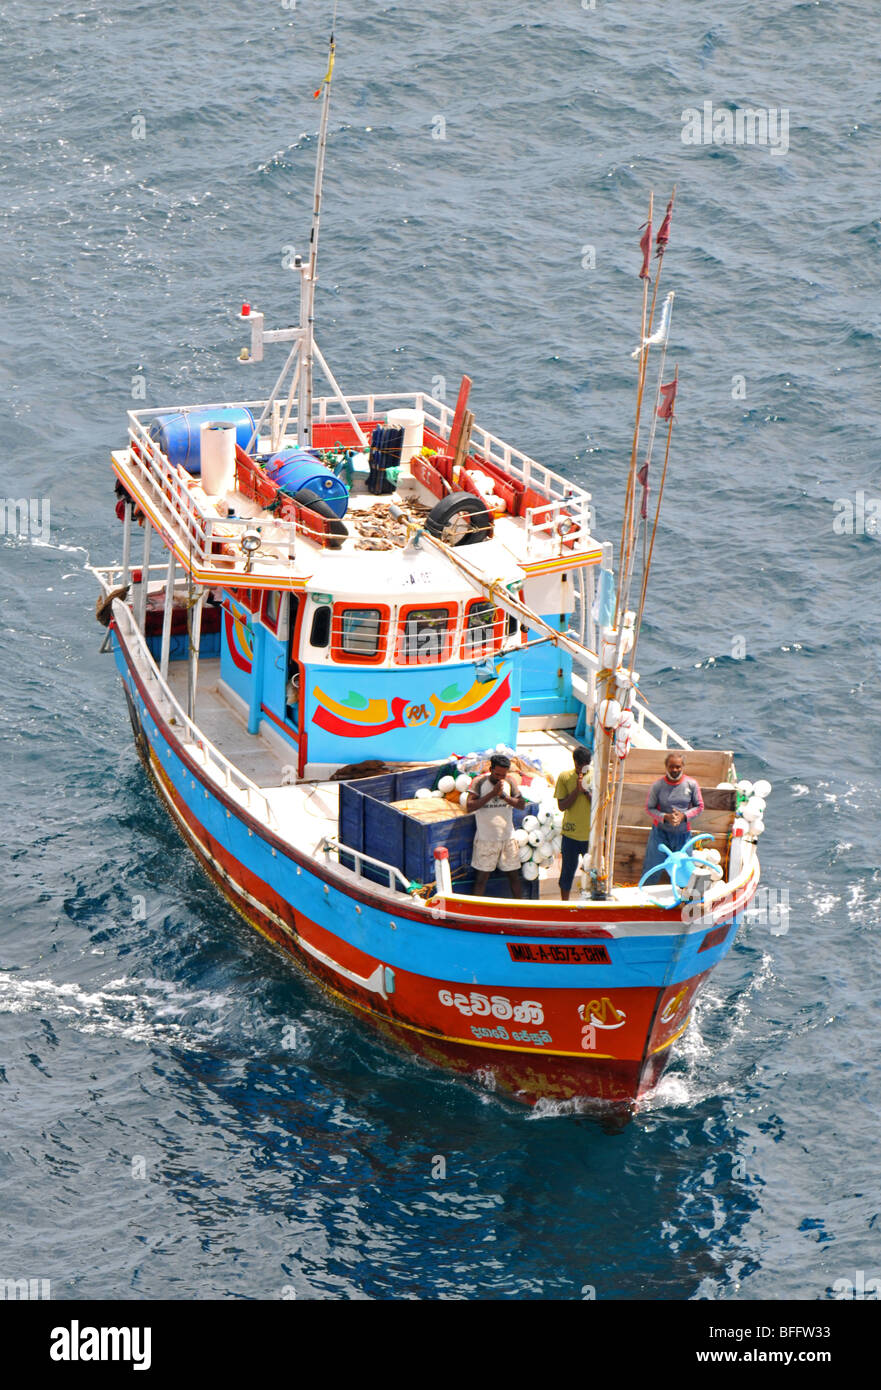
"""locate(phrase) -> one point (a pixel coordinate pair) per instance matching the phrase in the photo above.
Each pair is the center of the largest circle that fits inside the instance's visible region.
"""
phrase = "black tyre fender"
(338, 528)
(461, 504)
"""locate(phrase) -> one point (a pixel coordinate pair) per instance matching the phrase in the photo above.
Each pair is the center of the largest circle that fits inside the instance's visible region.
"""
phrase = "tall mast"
(308, 271)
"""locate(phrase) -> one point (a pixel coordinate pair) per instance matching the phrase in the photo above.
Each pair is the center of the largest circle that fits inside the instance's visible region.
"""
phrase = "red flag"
(645, 246)
(664, 230)
(642, 478)
(668, 396)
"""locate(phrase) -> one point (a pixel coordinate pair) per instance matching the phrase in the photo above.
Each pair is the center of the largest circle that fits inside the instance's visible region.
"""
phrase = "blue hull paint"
(420, 946)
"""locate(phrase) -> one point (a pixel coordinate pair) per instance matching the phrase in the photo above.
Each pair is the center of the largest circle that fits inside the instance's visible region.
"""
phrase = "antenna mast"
(308, 270)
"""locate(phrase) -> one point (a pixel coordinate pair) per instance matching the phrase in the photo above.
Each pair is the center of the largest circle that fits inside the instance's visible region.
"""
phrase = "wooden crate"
(707, 766)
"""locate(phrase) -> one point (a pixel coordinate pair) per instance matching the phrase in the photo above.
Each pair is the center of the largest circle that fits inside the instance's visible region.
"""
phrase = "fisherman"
(493, 798)
(572, 793)
(673, 801)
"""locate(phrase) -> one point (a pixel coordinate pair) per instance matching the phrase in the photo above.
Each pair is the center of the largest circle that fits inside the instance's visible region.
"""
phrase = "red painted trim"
(489, 707)
(246, 666)
(303, 733)
(288, 728)
(345, 728)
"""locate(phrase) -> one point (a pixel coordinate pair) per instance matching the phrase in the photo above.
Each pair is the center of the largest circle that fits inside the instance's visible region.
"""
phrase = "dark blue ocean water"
(139, 1018)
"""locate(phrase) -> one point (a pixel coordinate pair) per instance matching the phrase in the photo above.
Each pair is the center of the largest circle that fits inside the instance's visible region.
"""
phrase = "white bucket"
(413, 424)
(217, 451)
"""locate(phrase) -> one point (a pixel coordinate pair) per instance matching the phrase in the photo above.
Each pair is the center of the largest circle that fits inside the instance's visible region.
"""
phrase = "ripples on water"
(139, 1018)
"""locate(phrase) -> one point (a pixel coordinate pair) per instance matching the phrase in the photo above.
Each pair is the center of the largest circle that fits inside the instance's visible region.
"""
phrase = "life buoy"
(460, 519)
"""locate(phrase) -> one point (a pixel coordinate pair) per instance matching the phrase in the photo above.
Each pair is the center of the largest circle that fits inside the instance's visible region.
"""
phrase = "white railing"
(665, 735)
(558, 523)
(438, 416)
(233, 779)
(331, 845)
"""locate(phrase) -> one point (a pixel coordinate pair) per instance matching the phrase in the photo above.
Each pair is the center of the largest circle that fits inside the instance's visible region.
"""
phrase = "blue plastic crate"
(351, 821)
(368, 822)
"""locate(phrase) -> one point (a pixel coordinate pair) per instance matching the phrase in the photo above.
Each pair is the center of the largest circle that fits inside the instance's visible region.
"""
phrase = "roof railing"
(438, 416)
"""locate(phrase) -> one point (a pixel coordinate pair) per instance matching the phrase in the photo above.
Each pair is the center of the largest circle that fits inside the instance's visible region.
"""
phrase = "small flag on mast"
(645, 246)
(668, 396)
(329, 73)
(664, 230)
(642, 478)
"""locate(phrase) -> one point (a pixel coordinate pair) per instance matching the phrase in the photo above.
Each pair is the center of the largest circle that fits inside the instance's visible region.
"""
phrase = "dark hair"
(581, 755)
(500, 760)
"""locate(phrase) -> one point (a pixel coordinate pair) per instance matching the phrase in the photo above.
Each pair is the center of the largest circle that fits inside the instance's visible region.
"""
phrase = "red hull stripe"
(484, 916)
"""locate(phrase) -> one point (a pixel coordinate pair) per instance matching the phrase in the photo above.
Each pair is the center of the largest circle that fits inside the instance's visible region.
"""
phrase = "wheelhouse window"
(425, 635)
(358, 633)
(272, 608)
(482, 631)
(319, 635)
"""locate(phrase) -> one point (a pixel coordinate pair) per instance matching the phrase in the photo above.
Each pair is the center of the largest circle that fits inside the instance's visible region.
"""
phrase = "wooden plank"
(710, 822)
(428, 808)
(464, 442)
(633, 798)
(706, 765)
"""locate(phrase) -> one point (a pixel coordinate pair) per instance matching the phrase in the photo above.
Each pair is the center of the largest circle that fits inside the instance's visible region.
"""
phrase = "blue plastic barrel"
(179, 435)
(299, 468)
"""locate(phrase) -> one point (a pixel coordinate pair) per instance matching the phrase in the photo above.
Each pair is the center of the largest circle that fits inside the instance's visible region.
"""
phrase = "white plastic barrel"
(413, 424)
(217, 449)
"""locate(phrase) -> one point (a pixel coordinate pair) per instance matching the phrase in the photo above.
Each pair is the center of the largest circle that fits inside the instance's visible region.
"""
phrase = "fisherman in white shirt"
(493, 799)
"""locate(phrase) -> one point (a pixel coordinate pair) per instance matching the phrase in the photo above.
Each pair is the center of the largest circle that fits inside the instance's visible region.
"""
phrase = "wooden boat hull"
(585, 1011)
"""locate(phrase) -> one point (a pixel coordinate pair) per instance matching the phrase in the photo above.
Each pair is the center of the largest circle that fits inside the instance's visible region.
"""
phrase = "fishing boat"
(342, 606)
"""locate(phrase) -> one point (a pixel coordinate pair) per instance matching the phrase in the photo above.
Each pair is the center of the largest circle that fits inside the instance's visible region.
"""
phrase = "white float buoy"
(530, 823)
(535, 837)
(530, 870)
(446, 784)
(521, 836)
(422, 792)
(610, 713)
(463, 782)
(762, 789)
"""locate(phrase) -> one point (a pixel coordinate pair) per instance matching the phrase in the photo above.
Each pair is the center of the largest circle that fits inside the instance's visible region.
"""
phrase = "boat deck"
(307, 811)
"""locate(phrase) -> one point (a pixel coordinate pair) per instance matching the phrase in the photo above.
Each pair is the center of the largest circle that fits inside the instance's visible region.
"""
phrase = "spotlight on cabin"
(250, 544)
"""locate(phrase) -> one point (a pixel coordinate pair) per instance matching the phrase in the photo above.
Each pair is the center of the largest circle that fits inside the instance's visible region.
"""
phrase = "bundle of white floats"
(751, 801)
